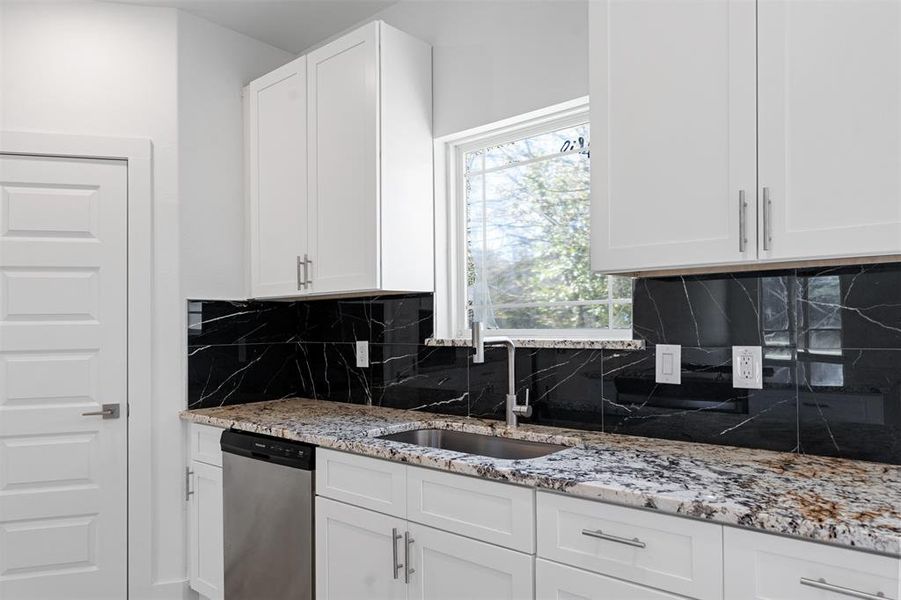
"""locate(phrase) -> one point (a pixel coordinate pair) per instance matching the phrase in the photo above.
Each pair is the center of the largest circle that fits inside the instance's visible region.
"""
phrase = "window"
(521, 258)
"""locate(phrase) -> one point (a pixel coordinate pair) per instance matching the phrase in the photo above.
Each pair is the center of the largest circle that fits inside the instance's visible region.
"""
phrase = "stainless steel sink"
(474, 443)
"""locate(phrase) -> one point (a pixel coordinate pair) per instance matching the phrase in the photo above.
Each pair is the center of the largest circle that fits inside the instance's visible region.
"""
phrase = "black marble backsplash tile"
(831, 341)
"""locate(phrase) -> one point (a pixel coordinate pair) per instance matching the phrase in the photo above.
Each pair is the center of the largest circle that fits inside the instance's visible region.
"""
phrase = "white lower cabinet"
(445, 566)
(440, 536)
(766, 567)
(639, 546)
(354, 552)
(203, 492)
(559, 582)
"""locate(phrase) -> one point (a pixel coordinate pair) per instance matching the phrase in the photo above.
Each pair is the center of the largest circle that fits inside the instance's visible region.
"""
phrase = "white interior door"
(673, 127)
(343, 119)
(63, 334)
(830, 128)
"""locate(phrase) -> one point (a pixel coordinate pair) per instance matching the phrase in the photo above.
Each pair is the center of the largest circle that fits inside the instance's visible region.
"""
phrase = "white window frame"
(451, 320)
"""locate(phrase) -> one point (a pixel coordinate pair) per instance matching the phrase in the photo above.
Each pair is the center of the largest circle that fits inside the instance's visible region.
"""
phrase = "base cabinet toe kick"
(418, 533)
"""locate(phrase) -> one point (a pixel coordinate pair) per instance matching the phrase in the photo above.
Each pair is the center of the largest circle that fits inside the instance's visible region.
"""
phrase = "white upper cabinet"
(360, 184)
(277, 179)
(673, 133)
(830, 128)
(687, 114)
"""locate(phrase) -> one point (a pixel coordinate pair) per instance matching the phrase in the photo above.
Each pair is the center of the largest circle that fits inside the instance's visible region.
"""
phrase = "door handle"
(301, 278)
(635, 542)
(109, 411)
(394, 537)
(822, 584)
(307, 271)
(188, 491)
(408, 541)
(742, 222)
(767, 218)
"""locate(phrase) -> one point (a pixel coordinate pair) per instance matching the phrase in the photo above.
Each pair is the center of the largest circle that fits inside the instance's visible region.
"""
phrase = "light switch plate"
(747, 367)
(362, 354)
(669, 363)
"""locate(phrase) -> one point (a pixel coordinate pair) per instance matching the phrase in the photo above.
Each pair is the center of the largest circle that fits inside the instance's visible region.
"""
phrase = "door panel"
(278, 179)
(674, 133)
(451, 567)
(63, 331)
(344, 162)
(830, 127)
(354, 553)
(554, 581)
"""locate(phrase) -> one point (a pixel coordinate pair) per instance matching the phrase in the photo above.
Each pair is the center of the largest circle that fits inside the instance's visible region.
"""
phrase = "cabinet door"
(767, 567)
(450, 567)
(205, 530)
(673, 121)
(355, 548)
(277, 180)
(559, 582)
(830, 128)
(343, 100)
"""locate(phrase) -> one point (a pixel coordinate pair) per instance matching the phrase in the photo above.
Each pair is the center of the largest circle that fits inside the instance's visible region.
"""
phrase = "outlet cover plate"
(362, 354)
(669, 364)
(747, 367)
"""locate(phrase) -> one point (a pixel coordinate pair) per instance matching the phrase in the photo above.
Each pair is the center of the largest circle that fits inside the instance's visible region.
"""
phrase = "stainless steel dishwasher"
(267, 508)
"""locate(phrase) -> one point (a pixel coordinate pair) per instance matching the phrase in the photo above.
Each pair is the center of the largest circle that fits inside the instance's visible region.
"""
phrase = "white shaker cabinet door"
(673, 119)
(830, 128)
(766, 567)
(205, 542)
(343, 103)
(446, 566)
(354, 552)
(277, 181)
(554, 581)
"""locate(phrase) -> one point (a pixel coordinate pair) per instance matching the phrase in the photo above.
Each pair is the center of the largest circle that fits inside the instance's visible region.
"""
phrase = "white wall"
(214, 63)
(495, 59)
(114, 70)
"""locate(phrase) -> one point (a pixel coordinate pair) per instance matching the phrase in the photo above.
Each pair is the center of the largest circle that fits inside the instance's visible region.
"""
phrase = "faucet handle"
(524, 410)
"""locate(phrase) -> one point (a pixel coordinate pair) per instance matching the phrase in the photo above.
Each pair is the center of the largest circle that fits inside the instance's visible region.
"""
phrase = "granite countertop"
(844, 502)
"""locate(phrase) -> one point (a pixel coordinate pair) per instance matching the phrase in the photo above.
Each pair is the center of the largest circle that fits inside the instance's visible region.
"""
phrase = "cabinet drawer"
(362, 481)
(758, 565)
(559, 582)
(498, 513)
(668, 553)
(203, 444)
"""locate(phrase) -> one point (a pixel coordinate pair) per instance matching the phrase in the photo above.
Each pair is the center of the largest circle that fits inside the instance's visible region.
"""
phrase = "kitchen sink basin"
(474, 443)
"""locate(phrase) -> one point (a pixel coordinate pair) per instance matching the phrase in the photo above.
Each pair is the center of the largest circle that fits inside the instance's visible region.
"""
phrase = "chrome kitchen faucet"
(479, 341)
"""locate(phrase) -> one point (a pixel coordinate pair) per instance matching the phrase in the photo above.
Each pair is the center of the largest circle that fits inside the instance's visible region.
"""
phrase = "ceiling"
(292, 25)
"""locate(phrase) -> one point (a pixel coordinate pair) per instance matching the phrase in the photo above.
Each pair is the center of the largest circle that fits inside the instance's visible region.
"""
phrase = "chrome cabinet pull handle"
(188, 491)
(308, 270)
(742, 222)
(767, 218)
(822, 584)
(597, 533)
(301, 279)
(408, 541)
(109, 411)
(394, 538)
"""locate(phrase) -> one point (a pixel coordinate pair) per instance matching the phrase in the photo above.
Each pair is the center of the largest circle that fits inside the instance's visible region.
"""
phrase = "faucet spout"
(479, 341)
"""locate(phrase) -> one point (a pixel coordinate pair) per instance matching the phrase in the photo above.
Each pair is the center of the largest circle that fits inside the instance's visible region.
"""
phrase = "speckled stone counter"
(844, 502)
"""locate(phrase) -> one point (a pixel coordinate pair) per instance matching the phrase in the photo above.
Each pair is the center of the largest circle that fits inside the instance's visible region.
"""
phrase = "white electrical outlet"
(747, 367)
(669, 363)
(362, 354)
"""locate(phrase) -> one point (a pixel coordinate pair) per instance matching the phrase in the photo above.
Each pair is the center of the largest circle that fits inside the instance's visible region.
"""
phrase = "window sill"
(577, 344)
